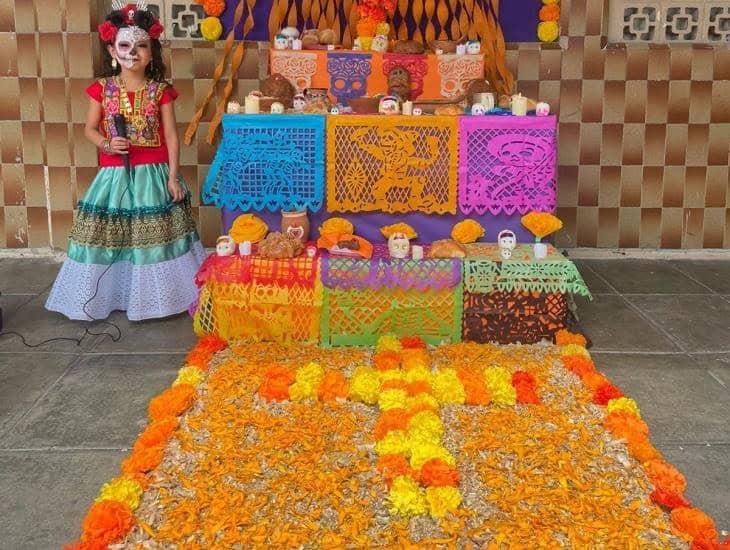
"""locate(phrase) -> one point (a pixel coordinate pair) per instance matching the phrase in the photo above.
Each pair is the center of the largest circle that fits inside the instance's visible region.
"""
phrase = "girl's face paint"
(132, 48)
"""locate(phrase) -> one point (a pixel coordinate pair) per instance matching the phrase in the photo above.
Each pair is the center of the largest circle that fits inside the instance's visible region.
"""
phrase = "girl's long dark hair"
(156, 69)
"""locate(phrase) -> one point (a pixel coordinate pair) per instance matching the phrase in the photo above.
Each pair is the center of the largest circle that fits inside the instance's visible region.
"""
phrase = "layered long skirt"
(131, 249)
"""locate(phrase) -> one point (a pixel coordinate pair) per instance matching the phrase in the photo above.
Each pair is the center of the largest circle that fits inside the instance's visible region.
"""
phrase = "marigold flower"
(423, 452)
(499, 384)
(605, 392)
(210, 344)
(388, 421)
(564, 337)
(121, 489)
(107, 522)
(387, 360)
(332, 386)
(364, 385)
(418, 374)
(574, 349)
(172, 402)
(593, 380)
(623, 425)
(548, 31)
(301, 390)
(551, 12)
(392, 399)
(425, 426)
(143, 460)
(395, 384)
(412, 342)
(419, 386)
(88, 545)
(665, 476)
(406, 497)
(669, 499)
(447, 388)
(641, 449)
(214, 7)
(415, 358)
(437, 473)
(393, 466)
(189, 375)
(280, 372)
(388, 342)
(274, 389)
(211, 28)
(157, 433)
(394, 443)
(393, 374)
(422, 402)
(694, 523)
(442, 500)
(310, 374)
(474, 387)
(625, 404)
(578, 364)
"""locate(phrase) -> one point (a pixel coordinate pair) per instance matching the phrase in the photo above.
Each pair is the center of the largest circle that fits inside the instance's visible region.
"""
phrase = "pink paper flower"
(150, 109)
(112, 107)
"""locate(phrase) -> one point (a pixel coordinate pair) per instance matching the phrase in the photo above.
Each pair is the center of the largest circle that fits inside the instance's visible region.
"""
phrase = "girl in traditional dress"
(133, 245)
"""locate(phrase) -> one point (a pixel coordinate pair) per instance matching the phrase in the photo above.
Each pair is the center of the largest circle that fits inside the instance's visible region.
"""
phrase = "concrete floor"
(660, 329)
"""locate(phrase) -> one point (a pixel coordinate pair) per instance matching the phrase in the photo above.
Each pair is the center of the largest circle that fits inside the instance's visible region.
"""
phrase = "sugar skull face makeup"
(132, 45)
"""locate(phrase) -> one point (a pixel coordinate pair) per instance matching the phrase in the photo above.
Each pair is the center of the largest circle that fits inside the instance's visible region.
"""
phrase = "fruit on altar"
(278, 245)
(446, 248)
(248, 227)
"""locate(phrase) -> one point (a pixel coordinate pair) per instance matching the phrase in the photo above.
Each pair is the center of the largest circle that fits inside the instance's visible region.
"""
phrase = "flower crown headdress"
(108, 29)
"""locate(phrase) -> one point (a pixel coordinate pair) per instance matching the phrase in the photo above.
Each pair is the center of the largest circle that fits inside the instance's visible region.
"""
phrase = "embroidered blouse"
(141, 110)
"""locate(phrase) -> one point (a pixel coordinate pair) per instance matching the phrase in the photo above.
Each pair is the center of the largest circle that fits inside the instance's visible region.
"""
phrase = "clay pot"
(296, 225)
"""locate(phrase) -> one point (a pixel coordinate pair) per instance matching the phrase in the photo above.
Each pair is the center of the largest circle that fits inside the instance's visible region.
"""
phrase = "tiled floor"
(660, 329)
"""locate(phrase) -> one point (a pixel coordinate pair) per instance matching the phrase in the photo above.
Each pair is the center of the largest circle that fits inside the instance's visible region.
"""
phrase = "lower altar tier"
(343, 301)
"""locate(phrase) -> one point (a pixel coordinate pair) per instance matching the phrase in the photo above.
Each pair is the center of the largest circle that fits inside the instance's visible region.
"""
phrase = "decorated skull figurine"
(478, 109)
(417, 111)
(399, 246)
(542, 109)
(335, 110)
(389, 105)
(507, 241)
(277, 108)
(299, 102)
(225, 245)
(473, 47)
(379, 44)
(281, 42)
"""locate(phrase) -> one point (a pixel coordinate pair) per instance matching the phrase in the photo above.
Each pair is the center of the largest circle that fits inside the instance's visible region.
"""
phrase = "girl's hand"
(176, 190)
(119, 146)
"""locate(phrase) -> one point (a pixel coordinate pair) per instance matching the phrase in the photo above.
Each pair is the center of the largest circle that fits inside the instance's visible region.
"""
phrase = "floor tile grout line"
(651, 321)
(691, 278)
(54, 449)
(14, 424)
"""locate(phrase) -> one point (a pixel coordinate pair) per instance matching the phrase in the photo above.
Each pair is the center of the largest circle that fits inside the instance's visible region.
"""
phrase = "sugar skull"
(460, 49)
(398, 246)
(389, 105)
(299, 102)
(225, 245)
(233, 107)
(357, 44)
(473, 47)
(542, 109)
(277, 108)
(380, 44)
(335, 110)
(507, 241)
(478, 109)
(281, 42)
(417, 111)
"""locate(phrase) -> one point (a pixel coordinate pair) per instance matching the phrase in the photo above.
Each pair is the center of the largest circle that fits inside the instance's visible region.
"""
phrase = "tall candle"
(519, 105)
(407, 107)
(252, 105)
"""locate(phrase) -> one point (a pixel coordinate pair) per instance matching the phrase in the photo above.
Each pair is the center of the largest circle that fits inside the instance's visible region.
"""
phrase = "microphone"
(120, 124)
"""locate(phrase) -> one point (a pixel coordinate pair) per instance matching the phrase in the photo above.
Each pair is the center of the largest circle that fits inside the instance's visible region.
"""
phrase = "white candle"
(407, 107)
(417, 252)
(245, 248)
(519, 105)
(252, 105)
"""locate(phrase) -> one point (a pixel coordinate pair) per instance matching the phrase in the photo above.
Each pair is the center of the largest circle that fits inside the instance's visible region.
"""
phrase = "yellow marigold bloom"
(624, 404)
(395, 442)
(392, 374)
(392, 399)
(388, 342)
(418, 374)
(447, 387)
(211, 28)
(423, 399)
(406, 498)
(310, 374)
(365, 385)
(548, 31)
(299, 391)
(442, 500)
(423, 452)
(121, 489)
(425, 427)
(189, 375)
(413, 357)
(499, 384)
(574, 349)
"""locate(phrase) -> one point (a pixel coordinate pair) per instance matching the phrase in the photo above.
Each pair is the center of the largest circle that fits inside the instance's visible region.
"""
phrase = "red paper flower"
(108, 31)
(156, 30)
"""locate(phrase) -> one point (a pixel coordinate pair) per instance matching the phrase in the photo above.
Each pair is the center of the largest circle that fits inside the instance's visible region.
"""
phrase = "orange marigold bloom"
(90, 545)
(412, 342)
(211, 344)
(274, 389)
(394, 385)
(393, 466)
(669, 499)
(694, 523)
(214, 7)
(474, 387)
(142, 479)
(665, 476)
(578, 364)
(623, 424)
(172, 402)
(413, 358)
(199, 359)
(551, 12)
(420, 407)
(157, 433)
(143, 460)
(605, 392)
(387, 360)
(564, 338)
(390, 420)
(332, 386)
(280, 372)
(437, 473)
(107, 522)
(641, 449)
(593, 380)
(419, 386)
